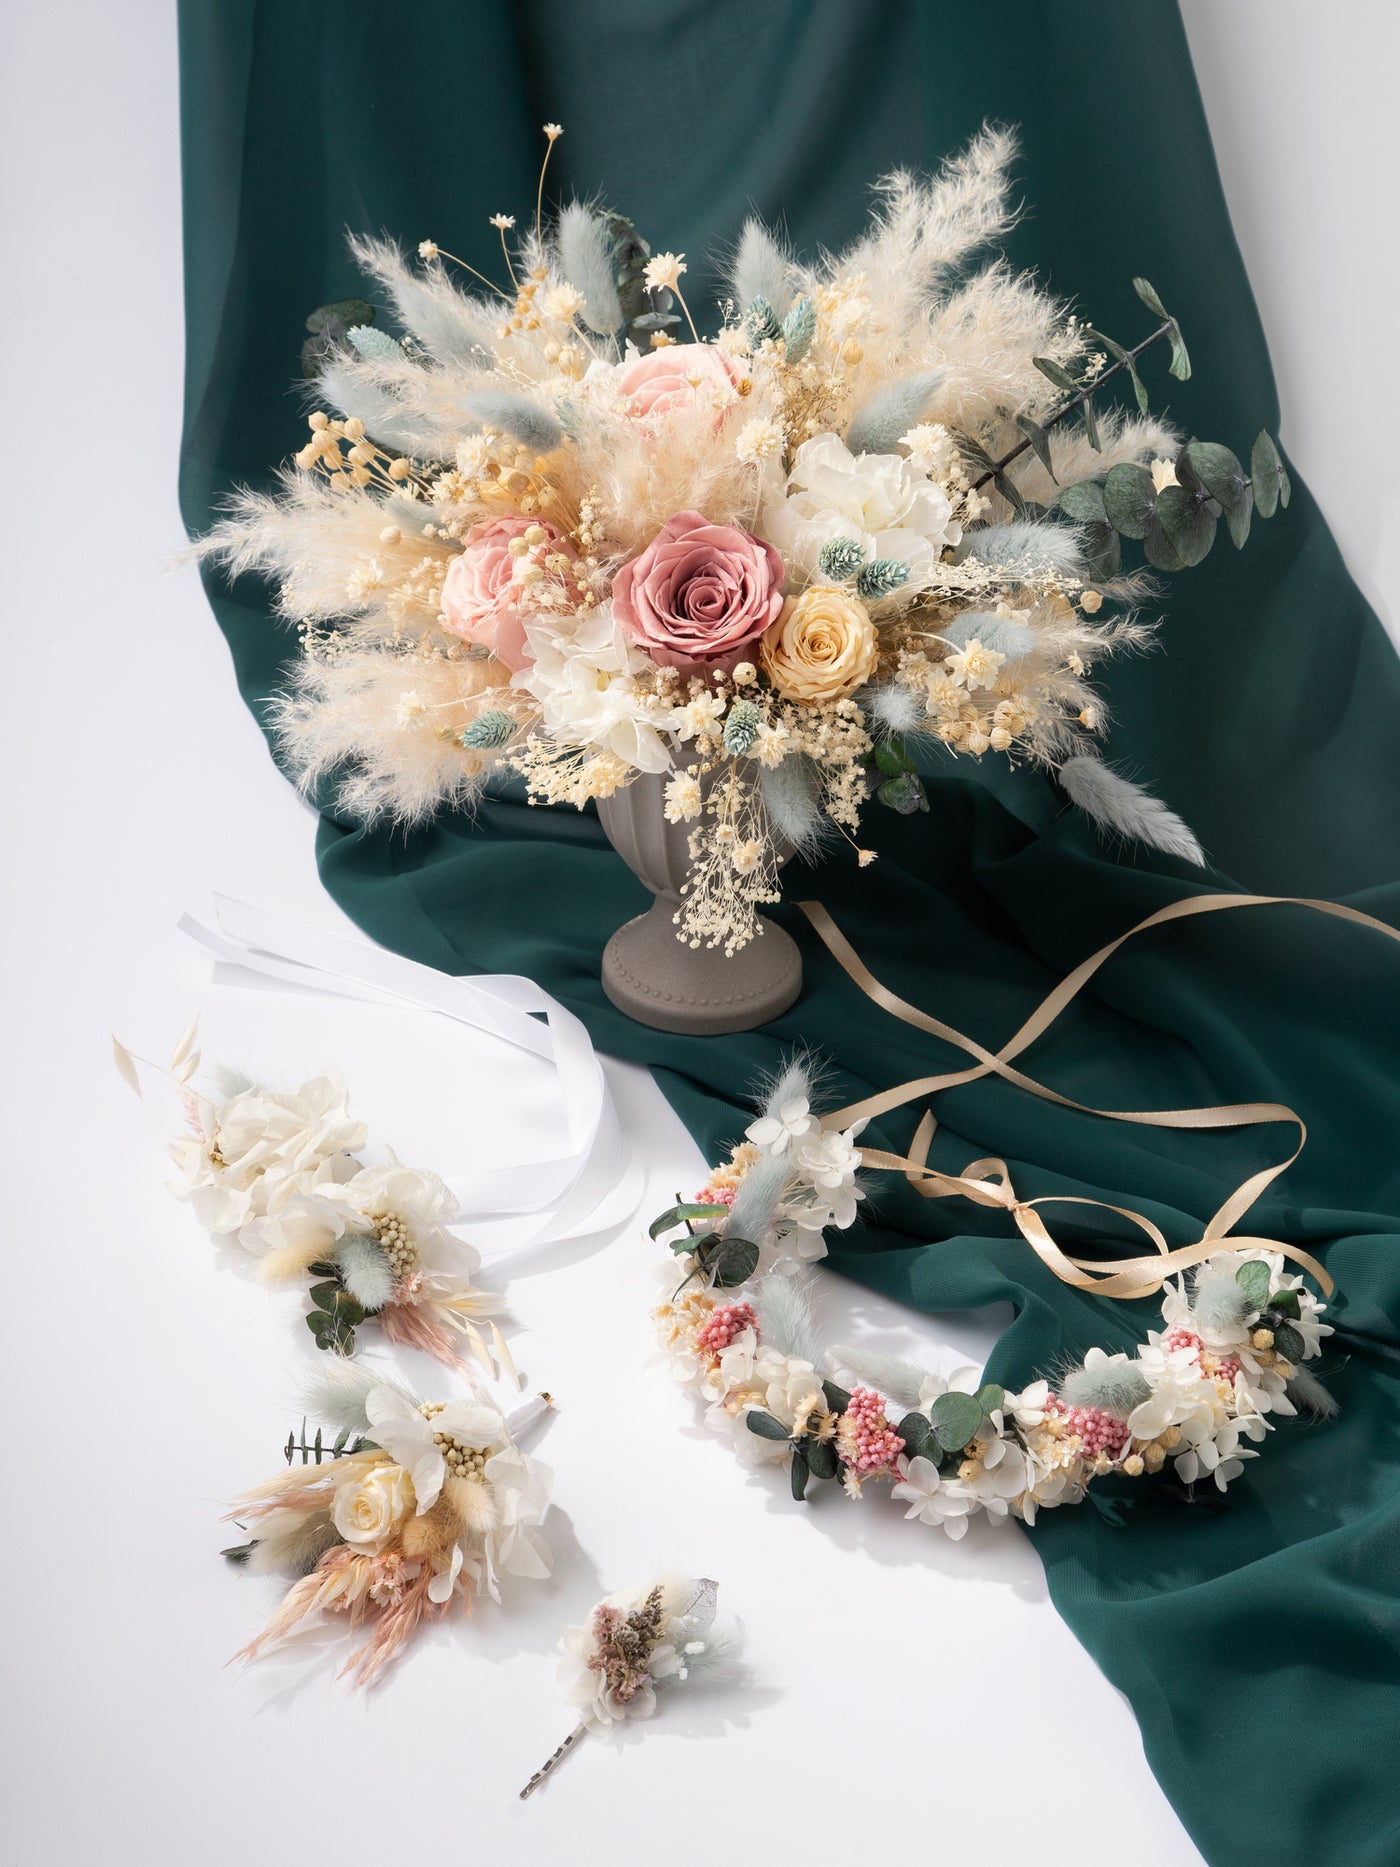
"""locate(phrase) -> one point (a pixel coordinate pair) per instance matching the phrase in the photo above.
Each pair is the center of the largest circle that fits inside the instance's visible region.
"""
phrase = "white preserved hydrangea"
(259, 1148)
(583, 676)
(881, 501)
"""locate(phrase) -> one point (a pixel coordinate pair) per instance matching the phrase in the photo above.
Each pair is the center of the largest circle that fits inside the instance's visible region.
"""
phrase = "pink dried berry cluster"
(723, 1325)
(867, 1442)
(1098, 1430)
(716, 1196)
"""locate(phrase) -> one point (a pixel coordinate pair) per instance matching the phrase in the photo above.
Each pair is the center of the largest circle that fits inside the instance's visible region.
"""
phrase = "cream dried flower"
(428, 249)
(683, 799)
(747, 857)
(554, 131)
(975, 666)
(758, 441)
(503, 222)
(1164, 475)
(663, 271)
(560, 302)
(410, 710)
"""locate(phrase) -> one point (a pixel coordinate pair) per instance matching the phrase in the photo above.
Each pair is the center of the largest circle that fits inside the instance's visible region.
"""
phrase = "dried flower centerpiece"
(738, 584)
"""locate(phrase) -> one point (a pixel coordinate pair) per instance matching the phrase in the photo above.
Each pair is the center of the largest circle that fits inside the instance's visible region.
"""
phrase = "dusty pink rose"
(481, 600)
(665, 379)
(700, 595)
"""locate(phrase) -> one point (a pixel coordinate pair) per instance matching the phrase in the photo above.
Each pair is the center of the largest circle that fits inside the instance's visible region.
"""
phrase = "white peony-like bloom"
(882, 501)
(943, 1502)
(259, 1148)
(582, 676)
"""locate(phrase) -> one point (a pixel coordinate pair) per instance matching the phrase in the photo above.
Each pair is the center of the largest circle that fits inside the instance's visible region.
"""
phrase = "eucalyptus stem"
(1129, 357)
(554, 1761)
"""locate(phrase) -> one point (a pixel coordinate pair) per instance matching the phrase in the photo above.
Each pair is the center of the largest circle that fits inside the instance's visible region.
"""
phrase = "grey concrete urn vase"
(653, 975)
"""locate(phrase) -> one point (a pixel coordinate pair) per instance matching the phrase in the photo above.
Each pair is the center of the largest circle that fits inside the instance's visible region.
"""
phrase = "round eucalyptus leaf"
(1130, 499)
(956, 1418)
(916, 1430)
(732, 1261)
(1159, 550)
(1188, 519)
(1272, 486)
(1289, 1343)
(1083, 502)
(1214, 469)
(340, 317)
(1253, 1279)
(1103, 551)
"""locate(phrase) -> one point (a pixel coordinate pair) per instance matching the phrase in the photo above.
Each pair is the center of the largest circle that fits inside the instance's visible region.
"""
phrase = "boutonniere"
(636, 1645)
(412, 1506)
(278, 1171)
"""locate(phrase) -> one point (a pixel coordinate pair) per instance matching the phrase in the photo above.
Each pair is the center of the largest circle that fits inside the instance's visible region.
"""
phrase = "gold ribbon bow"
(988, 1182)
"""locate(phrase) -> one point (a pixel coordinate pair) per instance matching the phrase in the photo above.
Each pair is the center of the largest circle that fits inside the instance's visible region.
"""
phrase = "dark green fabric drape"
(1258, 1645)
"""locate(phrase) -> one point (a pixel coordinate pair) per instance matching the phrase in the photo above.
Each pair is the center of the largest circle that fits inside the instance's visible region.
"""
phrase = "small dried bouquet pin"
(416, 1504)
(638, 1643)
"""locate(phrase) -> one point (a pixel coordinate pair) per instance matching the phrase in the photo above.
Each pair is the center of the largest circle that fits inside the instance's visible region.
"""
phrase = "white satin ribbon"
(585, 1185)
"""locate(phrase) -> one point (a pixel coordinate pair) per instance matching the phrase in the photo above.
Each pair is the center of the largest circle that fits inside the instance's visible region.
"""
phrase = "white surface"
(147, 1379)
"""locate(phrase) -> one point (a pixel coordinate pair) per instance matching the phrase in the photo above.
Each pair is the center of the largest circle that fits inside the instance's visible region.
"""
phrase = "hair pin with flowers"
(278, 1171)
(740, 1331)
(413, 1505)
(635, 1645)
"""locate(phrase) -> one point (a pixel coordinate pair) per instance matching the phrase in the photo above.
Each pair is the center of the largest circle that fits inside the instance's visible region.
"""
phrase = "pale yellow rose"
(821, 647)
(368, 1514)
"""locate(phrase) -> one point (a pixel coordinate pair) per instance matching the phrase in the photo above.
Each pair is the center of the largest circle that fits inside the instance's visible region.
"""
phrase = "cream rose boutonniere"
(368, 1514)
(822, 646)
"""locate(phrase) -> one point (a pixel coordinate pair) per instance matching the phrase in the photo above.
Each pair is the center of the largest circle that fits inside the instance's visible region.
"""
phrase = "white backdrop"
(147, 1379)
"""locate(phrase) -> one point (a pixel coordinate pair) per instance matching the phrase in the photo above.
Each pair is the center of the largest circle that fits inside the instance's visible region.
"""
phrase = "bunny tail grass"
(876, 428)
(792, 799)
(1304, 1387)
(586, 261)
(1117, 804)
(896, 1376)
(786, 1318)
(553, 1762)
(760, 270)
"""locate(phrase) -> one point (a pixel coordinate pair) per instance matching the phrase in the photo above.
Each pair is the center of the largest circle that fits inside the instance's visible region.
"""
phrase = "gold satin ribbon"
(988, 1181)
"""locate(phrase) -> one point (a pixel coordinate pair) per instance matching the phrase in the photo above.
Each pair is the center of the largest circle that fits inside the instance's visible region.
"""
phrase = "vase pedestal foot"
(659, 980)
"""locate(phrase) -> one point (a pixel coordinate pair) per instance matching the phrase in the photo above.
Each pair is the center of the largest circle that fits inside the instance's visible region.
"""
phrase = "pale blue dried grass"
(876, 428)
(1116, 1388)
(586, 261)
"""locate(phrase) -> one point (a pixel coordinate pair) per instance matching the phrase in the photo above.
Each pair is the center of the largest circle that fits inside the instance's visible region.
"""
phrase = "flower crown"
(1192, 1401)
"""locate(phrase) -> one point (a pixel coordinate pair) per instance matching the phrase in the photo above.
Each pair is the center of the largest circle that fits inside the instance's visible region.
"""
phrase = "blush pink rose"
(665, 379)
(700, 595)
(480, 598)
